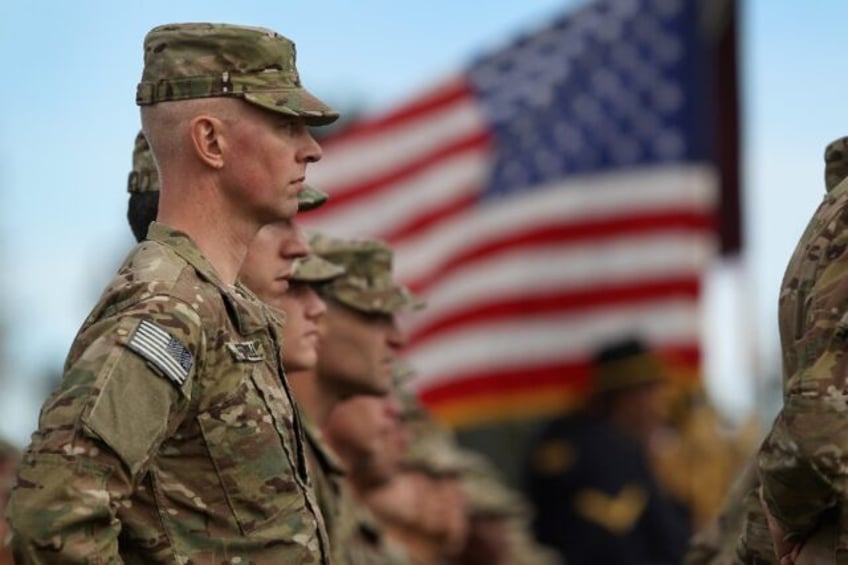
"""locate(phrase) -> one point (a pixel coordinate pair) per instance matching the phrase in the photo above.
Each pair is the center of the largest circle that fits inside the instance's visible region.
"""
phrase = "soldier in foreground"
(172, 437)
(801, 462)
(740, 533)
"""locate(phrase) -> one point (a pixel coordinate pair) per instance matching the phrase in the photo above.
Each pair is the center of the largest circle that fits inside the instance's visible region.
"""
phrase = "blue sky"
(69, 118)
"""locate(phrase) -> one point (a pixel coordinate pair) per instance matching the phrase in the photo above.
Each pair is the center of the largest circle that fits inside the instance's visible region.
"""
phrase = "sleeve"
(803, 462)
(118, 401)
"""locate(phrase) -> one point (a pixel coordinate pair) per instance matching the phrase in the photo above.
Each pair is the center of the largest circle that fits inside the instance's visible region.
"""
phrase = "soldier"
(740, 531)
(173, 437)
(588, 476)
(365, 432)
(801, 462)
(357, 351)
(495, 527)
(280, 271)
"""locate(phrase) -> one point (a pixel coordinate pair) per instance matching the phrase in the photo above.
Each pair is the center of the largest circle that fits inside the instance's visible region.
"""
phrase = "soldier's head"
(627, 382)
(143, 186)
(362, 335)
(304, 310)
(223, 106)
(364, 431)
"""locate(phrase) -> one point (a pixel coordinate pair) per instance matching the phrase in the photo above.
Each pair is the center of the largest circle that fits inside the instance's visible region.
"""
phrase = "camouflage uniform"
(802, 460)
(173, 436)
(717, 542)
(740, 532)
(366, 286)
(366, 542)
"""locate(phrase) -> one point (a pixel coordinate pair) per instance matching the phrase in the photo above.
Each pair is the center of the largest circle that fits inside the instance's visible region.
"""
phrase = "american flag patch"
(163, 350)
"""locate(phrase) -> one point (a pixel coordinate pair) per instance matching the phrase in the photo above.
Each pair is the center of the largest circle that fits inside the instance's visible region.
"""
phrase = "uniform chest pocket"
(249, 457)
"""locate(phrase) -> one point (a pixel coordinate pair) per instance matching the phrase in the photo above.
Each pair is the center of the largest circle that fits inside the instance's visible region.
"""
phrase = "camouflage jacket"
(367, 543)
(172, 437)
(327, 475)
(740, 532)
(803, 462)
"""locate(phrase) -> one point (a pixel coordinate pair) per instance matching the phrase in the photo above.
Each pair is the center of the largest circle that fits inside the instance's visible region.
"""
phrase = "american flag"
(558, 193)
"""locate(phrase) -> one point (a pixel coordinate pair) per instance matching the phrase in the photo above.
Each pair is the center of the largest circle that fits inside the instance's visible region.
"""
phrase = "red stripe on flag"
(432, 218)
(594, 230)
(575, 301)
(574, 374)
(341, 196)
(445, 95)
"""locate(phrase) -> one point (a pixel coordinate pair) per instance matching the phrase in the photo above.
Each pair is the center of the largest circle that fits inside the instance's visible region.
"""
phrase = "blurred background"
(552, 174)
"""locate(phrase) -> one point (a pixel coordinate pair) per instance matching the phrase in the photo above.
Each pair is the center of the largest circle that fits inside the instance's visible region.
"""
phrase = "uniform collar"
(328, 460)
(246, 310)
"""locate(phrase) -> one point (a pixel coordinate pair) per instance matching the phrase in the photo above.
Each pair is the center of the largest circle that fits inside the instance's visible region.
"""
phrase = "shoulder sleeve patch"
(162, 350)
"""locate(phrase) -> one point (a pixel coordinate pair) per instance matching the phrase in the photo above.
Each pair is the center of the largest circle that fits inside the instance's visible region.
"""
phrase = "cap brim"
(294, 102)
(314, 268)
(310, 198)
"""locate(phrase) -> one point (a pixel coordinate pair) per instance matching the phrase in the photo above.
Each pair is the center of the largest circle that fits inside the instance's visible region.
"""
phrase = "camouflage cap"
(434, 451)
(145, 178)
(204, 60)
(488, 496)
(367, 285)
(313, 268)
(310, 198)
(836, 162)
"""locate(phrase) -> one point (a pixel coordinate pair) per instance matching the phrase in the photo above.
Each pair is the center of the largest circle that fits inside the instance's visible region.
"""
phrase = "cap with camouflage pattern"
(204, 60)
(313, 269)
(145, 178)
(367, 285)
(836, 162)
(434, 451)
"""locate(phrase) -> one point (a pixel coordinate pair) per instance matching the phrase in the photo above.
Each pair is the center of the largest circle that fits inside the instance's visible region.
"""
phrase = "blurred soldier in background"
(358, 350)
(137, 455)
(424, 506)
(474, 518)
(589, 477)
(366, 433)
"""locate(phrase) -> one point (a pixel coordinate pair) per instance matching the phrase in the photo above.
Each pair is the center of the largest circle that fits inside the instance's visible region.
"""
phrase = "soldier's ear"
(206, 133)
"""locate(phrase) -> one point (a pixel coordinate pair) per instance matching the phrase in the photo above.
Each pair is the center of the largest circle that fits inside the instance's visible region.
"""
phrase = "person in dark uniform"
(596, 498)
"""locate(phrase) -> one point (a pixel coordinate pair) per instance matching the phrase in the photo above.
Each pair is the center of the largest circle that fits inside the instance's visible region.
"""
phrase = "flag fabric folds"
(558, 193)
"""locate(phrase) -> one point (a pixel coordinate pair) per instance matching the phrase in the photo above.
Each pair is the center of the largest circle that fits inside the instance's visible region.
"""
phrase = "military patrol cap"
(433, 451)
(623, 364)
(367, 285)
(487, 494)
(313, 269)
(145, 178)
(205, 60)
(836, 162)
